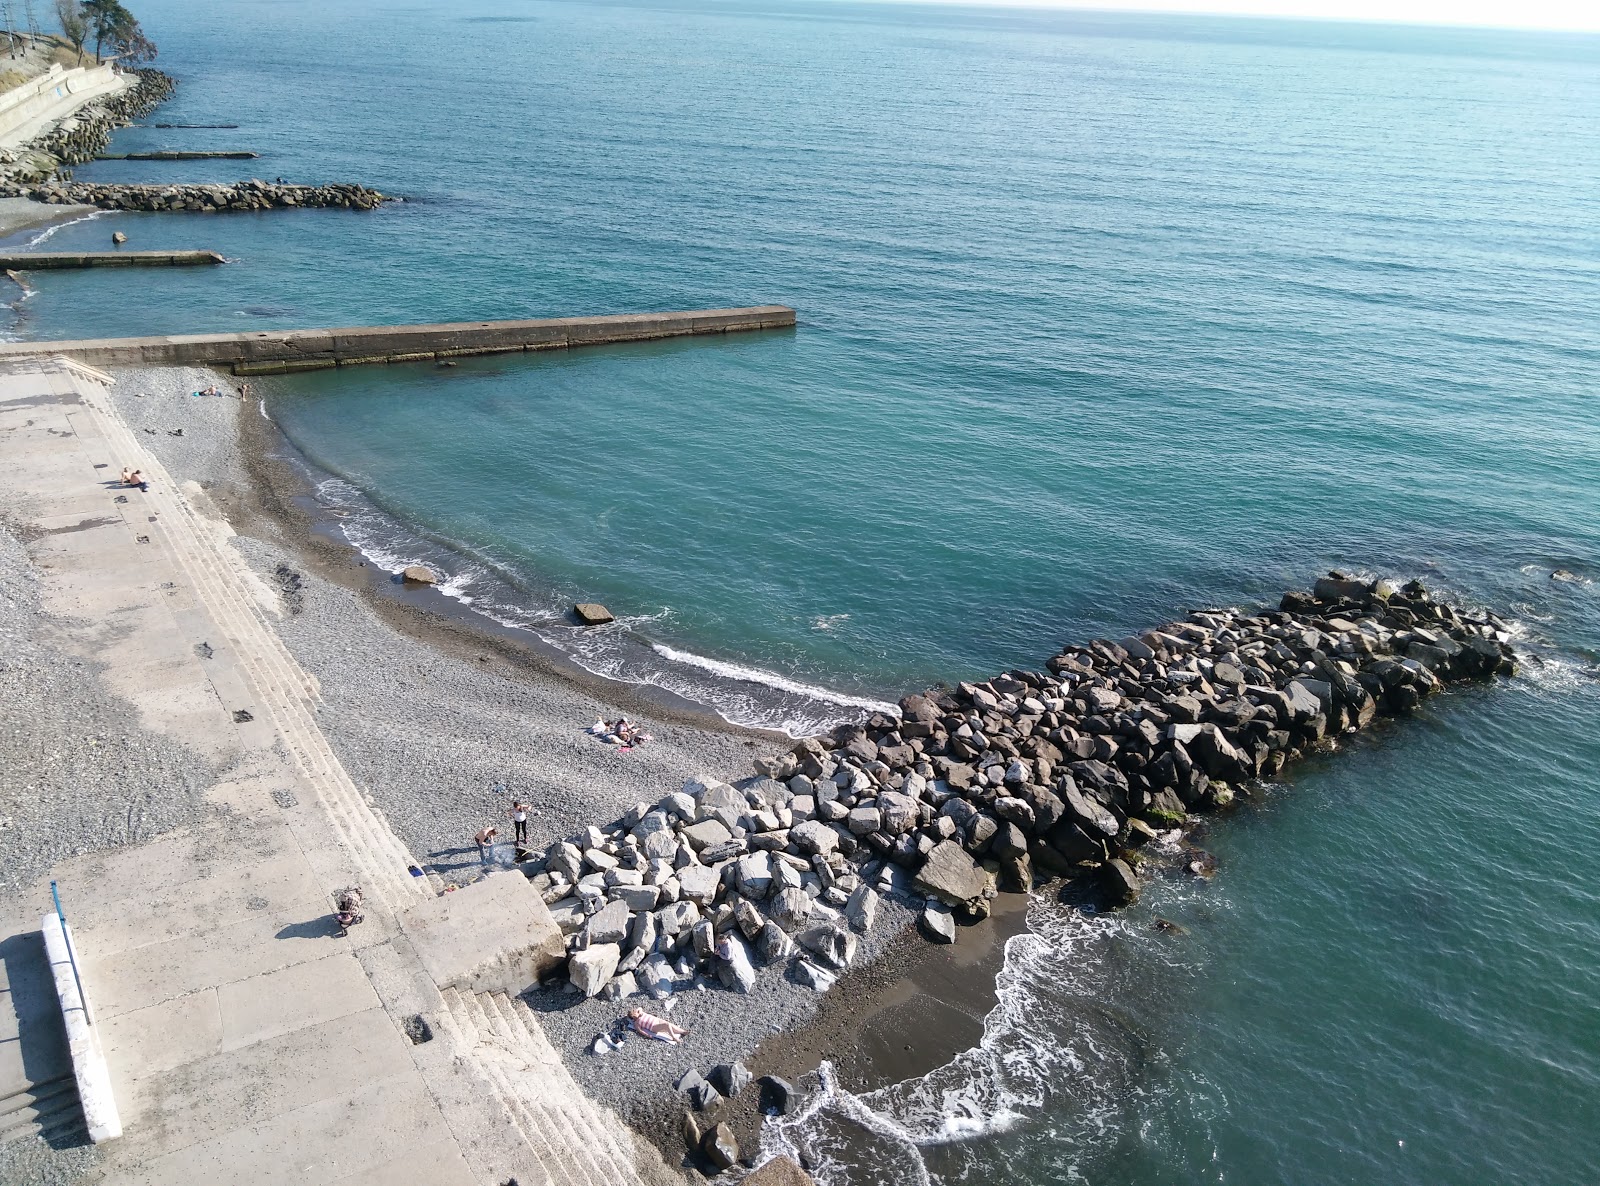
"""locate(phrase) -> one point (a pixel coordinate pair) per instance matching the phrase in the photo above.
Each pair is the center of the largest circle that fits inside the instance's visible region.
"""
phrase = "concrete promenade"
(246, 1042)
(265, 352)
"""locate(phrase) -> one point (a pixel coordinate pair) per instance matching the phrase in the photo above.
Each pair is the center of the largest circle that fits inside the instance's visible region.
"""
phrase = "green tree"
(111, 24)
(74, 23)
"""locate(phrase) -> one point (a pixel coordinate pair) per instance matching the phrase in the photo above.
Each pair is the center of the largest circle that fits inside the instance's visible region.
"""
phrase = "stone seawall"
(264, 353)
(989, 787)
(83, 134)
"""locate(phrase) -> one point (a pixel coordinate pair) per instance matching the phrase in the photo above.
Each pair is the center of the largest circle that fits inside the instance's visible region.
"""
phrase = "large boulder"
(592, 968)
(791, 908)
(1121, 883)
(862, 907)
(736, 971)
(699, 884)
(753, 875)
(939, 923)
(813, 837)
(774, 943)
(950, 875)
(834, 944)
(610, 925)
(592, 613)
(708, 833)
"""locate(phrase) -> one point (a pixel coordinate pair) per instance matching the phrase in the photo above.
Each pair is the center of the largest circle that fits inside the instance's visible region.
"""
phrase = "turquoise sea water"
(1102, 318)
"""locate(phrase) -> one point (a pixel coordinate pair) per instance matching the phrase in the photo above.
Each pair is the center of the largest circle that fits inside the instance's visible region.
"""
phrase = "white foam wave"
(261, 406)
(756, 675)
(740, 694)
(48, 231)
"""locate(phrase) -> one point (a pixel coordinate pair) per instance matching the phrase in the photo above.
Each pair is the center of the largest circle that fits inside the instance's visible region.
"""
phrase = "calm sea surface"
(1102, 318)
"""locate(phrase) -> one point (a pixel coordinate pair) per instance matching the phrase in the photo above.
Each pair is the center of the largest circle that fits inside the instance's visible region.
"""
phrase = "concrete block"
(495, 935)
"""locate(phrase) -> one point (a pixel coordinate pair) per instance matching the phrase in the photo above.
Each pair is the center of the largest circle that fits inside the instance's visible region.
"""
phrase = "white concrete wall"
(88, 1061)
(53, 96)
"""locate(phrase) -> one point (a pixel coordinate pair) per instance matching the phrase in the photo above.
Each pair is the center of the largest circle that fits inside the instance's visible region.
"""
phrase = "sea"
(1102, 318)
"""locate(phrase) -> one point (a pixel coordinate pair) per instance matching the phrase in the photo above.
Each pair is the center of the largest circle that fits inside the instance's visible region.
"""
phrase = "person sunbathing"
(650, 1026)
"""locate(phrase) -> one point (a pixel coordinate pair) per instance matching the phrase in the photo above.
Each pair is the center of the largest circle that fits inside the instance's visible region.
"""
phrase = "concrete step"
(634, 1160)
(280, 685)
(543, 1163)
(48, 1110)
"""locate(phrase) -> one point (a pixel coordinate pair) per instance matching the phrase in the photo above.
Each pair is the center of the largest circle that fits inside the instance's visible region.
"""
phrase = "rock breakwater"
(989, 787)
(204, 199)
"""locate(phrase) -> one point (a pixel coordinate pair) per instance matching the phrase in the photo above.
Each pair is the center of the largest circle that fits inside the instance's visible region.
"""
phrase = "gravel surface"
(80, 773)
(430, 725)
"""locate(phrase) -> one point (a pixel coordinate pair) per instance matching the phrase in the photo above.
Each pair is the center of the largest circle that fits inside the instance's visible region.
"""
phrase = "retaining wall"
(53, 95)
(266, 352)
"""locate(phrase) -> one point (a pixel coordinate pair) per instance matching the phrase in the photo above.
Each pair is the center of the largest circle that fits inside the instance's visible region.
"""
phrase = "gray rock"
(637, 897)
(569, 915)
(610, 925)
(939, 923)
(688, 1081)
(778, 1095)
(720, 1149)
(1120, 881)
(791, 909)
(862, 908)
(863, 820)
(591, 968)
(738, 970)
(699, 884)
(833, 944)
(622, 986)
(706, 833)
(813, 976)
(678, 804)
(774, 943)
(673, 920)
(656, 977)
(813, 836)
(705, 1097)
(950, 875)
(730, 1078)
(753, 875)
(748, 919)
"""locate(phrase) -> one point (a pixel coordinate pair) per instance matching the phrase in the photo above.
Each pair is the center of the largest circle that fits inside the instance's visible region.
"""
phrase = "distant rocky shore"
(42, 171)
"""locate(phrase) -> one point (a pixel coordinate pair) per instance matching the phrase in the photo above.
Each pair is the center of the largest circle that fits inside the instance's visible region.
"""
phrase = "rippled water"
(1102, 318)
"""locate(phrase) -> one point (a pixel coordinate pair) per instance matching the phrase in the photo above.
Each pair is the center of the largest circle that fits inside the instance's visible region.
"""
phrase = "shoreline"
(504, 689)
(24, 214)
(1005, 785)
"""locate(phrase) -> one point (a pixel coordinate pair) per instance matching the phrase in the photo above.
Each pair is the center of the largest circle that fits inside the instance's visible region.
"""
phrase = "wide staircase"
(502, 1087)
(575, 1141)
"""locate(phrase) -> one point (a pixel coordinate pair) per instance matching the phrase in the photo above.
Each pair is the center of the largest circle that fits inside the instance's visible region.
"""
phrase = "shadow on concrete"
(36, 1082)
(323, 927)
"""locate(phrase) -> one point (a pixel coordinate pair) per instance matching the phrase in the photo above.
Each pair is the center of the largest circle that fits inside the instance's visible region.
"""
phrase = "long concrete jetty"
(277, 352)
(30, 260)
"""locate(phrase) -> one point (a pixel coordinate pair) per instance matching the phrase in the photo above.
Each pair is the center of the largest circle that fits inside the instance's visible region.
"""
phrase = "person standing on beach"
(485, 841)
(519, 818)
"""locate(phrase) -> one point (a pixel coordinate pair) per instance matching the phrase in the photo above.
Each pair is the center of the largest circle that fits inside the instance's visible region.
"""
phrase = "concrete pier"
(29, 261)
(176, 156)
(279, 352)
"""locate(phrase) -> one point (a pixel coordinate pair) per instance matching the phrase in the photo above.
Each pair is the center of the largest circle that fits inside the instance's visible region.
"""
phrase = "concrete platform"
(495, 935)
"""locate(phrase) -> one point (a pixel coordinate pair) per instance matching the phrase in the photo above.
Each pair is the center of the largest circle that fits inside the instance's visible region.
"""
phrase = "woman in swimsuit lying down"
(659, 1028)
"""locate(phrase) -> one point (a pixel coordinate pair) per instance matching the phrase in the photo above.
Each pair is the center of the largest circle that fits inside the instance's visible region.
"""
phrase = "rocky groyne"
(42, 170)
(990, 787)
(204, 199)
